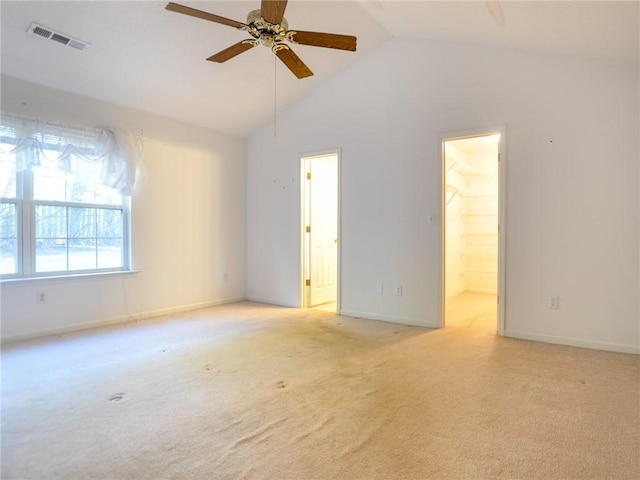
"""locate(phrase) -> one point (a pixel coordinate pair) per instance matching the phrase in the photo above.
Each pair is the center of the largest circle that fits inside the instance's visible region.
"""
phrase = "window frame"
(25, 205)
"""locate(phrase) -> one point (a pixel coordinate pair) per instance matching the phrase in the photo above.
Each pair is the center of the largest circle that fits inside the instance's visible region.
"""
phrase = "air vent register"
(45, 32)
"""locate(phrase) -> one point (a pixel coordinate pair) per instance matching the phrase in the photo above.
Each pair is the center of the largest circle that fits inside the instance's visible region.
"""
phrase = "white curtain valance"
(105, 156)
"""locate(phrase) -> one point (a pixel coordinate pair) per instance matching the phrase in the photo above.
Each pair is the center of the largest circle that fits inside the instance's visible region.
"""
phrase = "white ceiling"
(145, 57)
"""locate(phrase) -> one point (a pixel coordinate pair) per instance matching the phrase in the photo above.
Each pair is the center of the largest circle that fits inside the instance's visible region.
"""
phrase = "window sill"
(24, 281)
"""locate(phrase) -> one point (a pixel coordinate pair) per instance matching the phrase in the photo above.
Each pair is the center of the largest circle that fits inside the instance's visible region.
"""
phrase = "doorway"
(320, 247)
(473, 230)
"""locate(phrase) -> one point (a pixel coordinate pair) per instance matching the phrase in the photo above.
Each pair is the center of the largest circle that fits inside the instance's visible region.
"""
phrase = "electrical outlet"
(41, 298)
(399, 290)
(554, 303)
(379, 288)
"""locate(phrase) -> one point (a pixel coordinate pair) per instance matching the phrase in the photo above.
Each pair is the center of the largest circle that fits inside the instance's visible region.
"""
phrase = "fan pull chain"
(275, 92)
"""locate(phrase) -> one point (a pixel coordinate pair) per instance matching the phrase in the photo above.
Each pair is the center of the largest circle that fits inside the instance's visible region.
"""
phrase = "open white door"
(320, 224)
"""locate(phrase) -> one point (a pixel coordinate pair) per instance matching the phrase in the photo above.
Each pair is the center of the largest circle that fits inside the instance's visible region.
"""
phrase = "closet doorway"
(320, 196)
(473, 230)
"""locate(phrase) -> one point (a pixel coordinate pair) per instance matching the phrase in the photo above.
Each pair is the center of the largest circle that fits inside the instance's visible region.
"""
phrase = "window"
(64, 199)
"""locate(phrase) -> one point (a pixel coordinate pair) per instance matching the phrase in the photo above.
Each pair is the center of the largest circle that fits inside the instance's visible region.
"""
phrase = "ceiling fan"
(268, 27)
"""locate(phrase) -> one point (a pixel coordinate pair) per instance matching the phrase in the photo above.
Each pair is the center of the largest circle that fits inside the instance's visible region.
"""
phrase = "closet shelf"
(479, 235)
(460, 166)
(459, 190)
(453, 190)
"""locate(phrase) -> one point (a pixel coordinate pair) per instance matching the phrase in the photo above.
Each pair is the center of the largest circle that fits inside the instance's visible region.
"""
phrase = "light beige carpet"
(250, 391)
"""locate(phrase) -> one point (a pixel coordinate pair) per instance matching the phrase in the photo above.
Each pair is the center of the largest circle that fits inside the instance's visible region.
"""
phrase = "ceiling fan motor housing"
(266, 33)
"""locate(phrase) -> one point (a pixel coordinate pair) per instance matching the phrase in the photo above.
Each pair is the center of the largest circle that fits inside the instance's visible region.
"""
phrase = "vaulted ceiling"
(144, 57)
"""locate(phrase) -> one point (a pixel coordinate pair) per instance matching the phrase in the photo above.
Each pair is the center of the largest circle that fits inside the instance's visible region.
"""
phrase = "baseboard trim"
(388, 318)
(270, 301)
(574, 342)
(121, 319)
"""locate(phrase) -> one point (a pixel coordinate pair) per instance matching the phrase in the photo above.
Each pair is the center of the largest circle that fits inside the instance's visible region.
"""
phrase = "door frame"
(306, 158)
(502, 215)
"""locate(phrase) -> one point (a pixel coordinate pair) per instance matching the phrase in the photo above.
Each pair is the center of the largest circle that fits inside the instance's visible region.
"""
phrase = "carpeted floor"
(249, 391)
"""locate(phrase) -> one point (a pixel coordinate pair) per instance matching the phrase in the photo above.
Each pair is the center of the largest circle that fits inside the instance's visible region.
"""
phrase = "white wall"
(188, 223)
(572, 186)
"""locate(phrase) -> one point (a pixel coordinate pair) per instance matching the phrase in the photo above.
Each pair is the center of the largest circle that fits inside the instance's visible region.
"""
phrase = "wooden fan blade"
(273, 10)
(232, 51)
(174, 7)
(292, 61)
(327, 40)
(496, 11)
